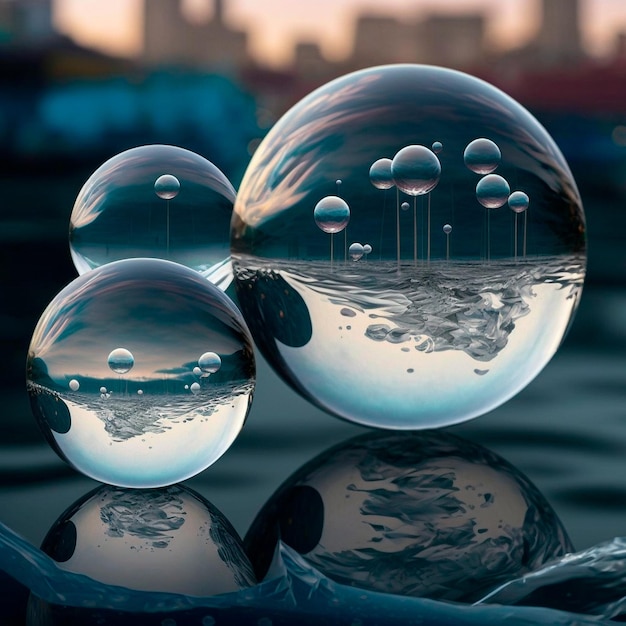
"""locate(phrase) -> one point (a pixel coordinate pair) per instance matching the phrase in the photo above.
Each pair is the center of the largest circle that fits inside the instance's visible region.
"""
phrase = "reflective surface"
(112, 378)
(156, 201)
(434, 327)
(168, 540)
(425, 514)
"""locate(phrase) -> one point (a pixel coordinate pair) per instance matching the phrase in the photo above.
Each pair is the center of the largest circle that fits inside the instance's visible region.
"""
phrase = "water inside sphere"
(492, 191)
(167, 186)
(121, 360)
(155, 201)
(380, 174)
(482, 155)
(163, 314)
(415, 170)
(331, 214)
(518, 201)
(427, 316)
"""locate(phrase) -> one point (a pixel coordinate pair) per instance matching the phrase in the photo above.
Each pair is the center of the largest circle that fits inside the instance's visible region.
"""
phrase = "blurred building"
(26, 20)
(172, 39)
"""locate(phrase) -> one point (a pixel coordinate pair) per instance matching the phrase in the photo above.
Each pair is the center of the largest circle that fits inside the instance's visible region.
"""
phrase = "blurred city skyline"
(276, 26)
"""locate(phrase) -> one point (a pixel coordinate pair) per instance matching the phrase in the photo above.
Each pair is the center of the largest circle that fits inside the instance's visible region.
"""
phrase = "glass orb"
(482, 155)
(434, 340)
(331, 214)
(156, 201)
(415, 170)
(424, 514)
(130, 333)
(492, 191)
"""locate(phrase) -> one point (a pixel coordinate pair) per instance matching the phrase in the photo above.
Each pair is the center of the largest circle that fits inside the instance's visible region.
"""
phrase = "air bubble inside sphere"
(421, 514)
(518, 201)
(135, 329)
(331, 214)
(492, 191)
(482, 155)
(167, 186)
(380, 174)
(154, 201)
(121, 361)
(209, 363)
(415, 170)
(423, 325)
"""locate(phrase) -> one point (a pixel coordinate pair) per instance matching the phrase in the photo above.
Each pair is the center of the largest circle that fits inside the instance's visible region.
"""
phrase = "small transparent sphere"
(367, 249)
(518, 201)
(447, 229)
(415, 170)
(380, 174)
(130, 334)
(492, 191)
(405, 206)
(439, 333)
(331, 214)
(155, 201)
(437, 147)
(482, 155)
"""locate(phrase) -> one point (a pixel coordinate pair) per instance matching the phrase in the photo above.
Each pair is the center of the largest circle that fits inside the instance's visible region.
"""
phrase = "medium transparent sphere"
(459, 306)
(140, 373)
(156, 201)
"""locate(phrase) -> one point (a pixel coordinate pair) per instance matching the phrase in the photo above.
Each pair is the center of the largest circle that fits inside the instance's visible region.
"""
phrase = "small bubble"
(492, 191)
(195, 388)
(437, 147)
(415, 170)
(482, 156)
(74, 385)
(209, 363)
(447, 229)
(380, 174)
(331, 214)
(355, 251)
(121, 360)
(518, 202)
(405, 206)
(167, 186)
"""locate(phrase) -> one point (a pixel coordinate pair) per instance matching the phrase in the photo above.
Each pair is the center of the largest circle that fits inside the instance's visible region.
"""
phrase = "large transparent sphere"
(156, 201)
(423, 514)
(118, 379)
(437, 325)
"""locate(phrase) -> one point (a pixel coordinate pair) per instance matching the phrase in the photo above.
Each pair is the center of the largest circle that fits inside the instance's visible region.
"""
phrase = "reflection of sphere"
(168, 540)
(426, 347)
(424, 514)
(120, 213)
(331, 214)
(107, 429)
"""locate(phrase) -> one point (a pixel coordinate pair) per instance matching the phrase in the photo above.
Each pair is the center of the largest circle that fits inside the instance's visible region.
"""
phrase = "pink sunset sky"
(274, 25)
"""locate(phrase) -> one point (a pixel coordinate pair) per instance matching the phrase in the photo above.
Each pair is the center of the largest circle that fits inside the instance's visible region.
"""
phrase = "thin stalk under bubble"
(382, 224)
(414, 230)
(428, 233)
(525, 227)
(167, 227)
(398, 224)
